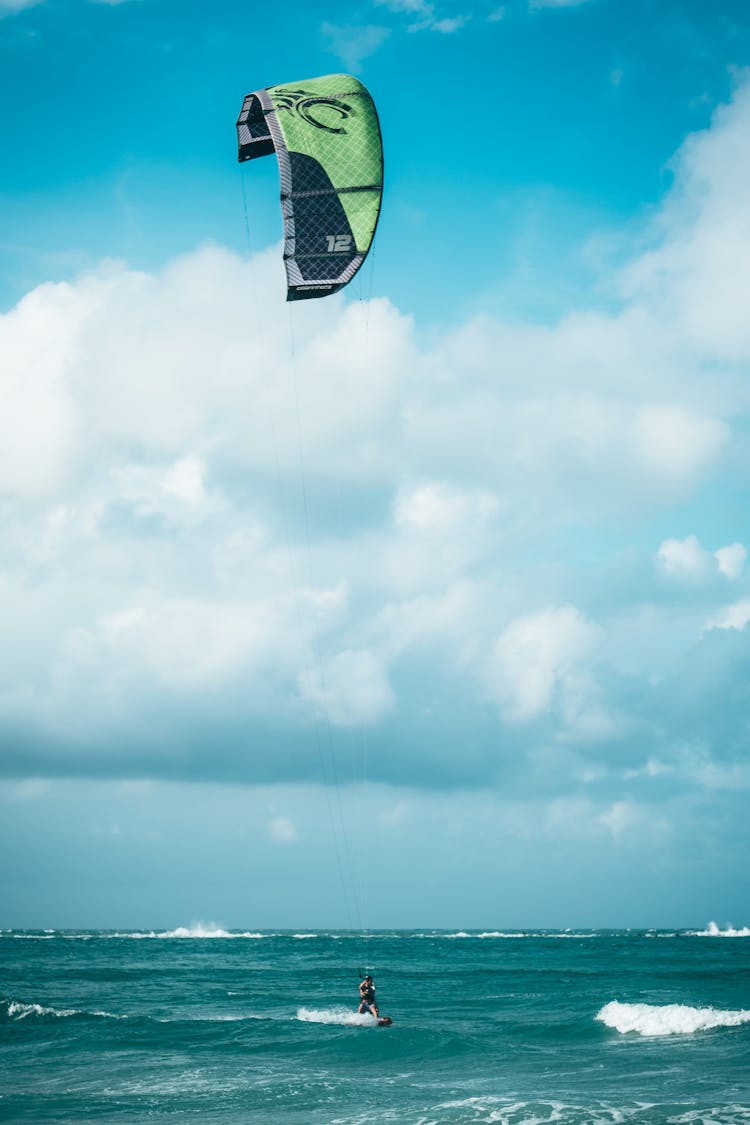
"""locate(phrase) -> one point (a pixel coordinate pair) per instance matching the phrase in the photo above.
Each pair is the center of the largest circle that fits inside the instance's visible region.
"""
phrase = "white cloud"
(677, 443)
(176, 647)
(282, 830)
(177, 497)
(184, 479)
(623, 821)
(175, 491)
(39, 434)
(10, 7)
(731, 560)
(713, 775)
(353, 44)
(449, 25)
(438, 508)
(426, 17)
(686, 558)
(540, 659)
(350, 688)
(570, 408)
(651, 769)
(121, 358)
(539, 5)
(696, 275)
(411, 7)
(694, 763)
(447, 618)
(30, 789)
(735, 616)
(620, 819)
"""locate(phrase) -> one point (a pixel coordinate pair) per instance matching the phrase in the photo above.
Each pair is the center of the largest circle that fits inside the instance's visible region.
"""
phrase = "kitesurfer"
(367, 997)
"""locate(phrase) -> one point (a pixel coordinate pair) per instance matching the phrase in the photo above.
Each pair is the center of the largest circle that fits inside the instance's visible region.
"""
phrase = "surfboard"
(384, 1021)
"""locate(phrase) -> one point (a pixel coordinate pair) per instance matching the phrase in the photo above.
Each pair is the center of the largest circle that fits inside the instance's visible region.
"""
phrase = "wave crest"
(651, 1020)
(18, 1010)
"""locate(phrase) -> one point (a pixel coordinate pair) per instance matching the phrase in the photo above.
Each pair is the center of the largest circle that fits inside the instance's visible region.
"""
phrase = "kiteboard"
(384, 1021)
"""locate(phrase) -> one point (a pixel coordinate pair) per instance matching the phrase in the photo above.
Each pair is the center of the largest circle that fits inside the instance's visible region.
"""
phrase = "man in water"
(367, 997)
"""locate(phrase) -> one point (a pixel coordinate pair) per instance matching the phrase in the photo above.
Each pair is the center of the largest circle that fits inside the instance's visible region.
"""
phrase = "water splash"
(343, 1017)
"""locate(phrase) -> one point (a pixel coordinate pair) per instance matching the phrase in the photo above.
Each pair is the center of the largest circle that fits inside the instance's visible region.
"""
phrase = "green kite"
(326, 136)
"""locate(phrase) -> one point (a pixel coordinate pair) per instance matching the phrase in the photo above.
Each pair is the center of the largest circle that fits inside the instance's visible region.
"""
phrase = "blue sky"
(426, 604)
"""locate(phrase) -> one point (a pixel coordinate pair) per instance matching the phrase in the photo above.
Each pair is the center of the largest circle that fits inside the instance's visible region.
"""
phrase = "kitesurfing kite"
(326, 137)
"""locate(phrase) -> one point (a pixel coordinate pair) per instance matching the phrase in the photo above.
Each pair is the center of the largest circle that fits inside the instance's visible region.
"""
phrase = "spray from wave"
(650, 1020)
(340, 1016)
(195, 930)
(712, 930)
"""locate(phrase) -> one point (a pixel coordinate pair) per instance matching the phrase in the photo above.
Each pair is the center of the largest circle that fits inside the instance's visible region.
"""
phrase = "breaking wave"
(651, 1020)
(513, 934)
(712, 930)
(484, 934)
(12, 1010)
(197, 930)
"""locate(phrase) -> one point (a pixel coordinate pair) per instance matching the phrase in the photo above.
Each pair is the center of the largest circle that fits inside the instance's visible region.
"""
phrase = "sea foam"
(651, 1020)
(341, 1016)
(499, 1110)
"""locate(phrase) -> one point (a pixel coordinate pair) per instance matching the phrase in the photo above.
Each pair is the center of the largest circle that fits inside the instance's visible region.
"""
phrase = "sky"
(426, 604)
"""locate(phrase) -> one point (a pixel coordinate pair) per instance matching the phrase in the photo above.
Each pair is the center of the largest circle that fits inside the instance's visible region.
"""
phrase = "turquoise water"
(516, 1028)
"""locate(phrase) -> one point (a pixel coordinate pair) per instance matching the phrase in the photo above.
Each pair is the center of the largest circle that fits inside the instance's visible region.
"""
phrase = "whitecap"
(483, 934)
(651, 1020)
(20, 1011)
(500, 934)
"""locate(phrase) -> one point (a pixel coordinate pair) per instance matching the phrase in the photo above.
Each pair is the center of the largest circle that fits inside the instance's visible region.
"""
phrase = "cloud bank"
(234, 545)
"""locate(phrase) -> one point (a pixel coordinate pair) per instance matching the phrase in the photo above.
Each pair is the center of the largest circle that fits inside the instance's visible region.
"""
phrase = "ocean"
(516, 1027)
